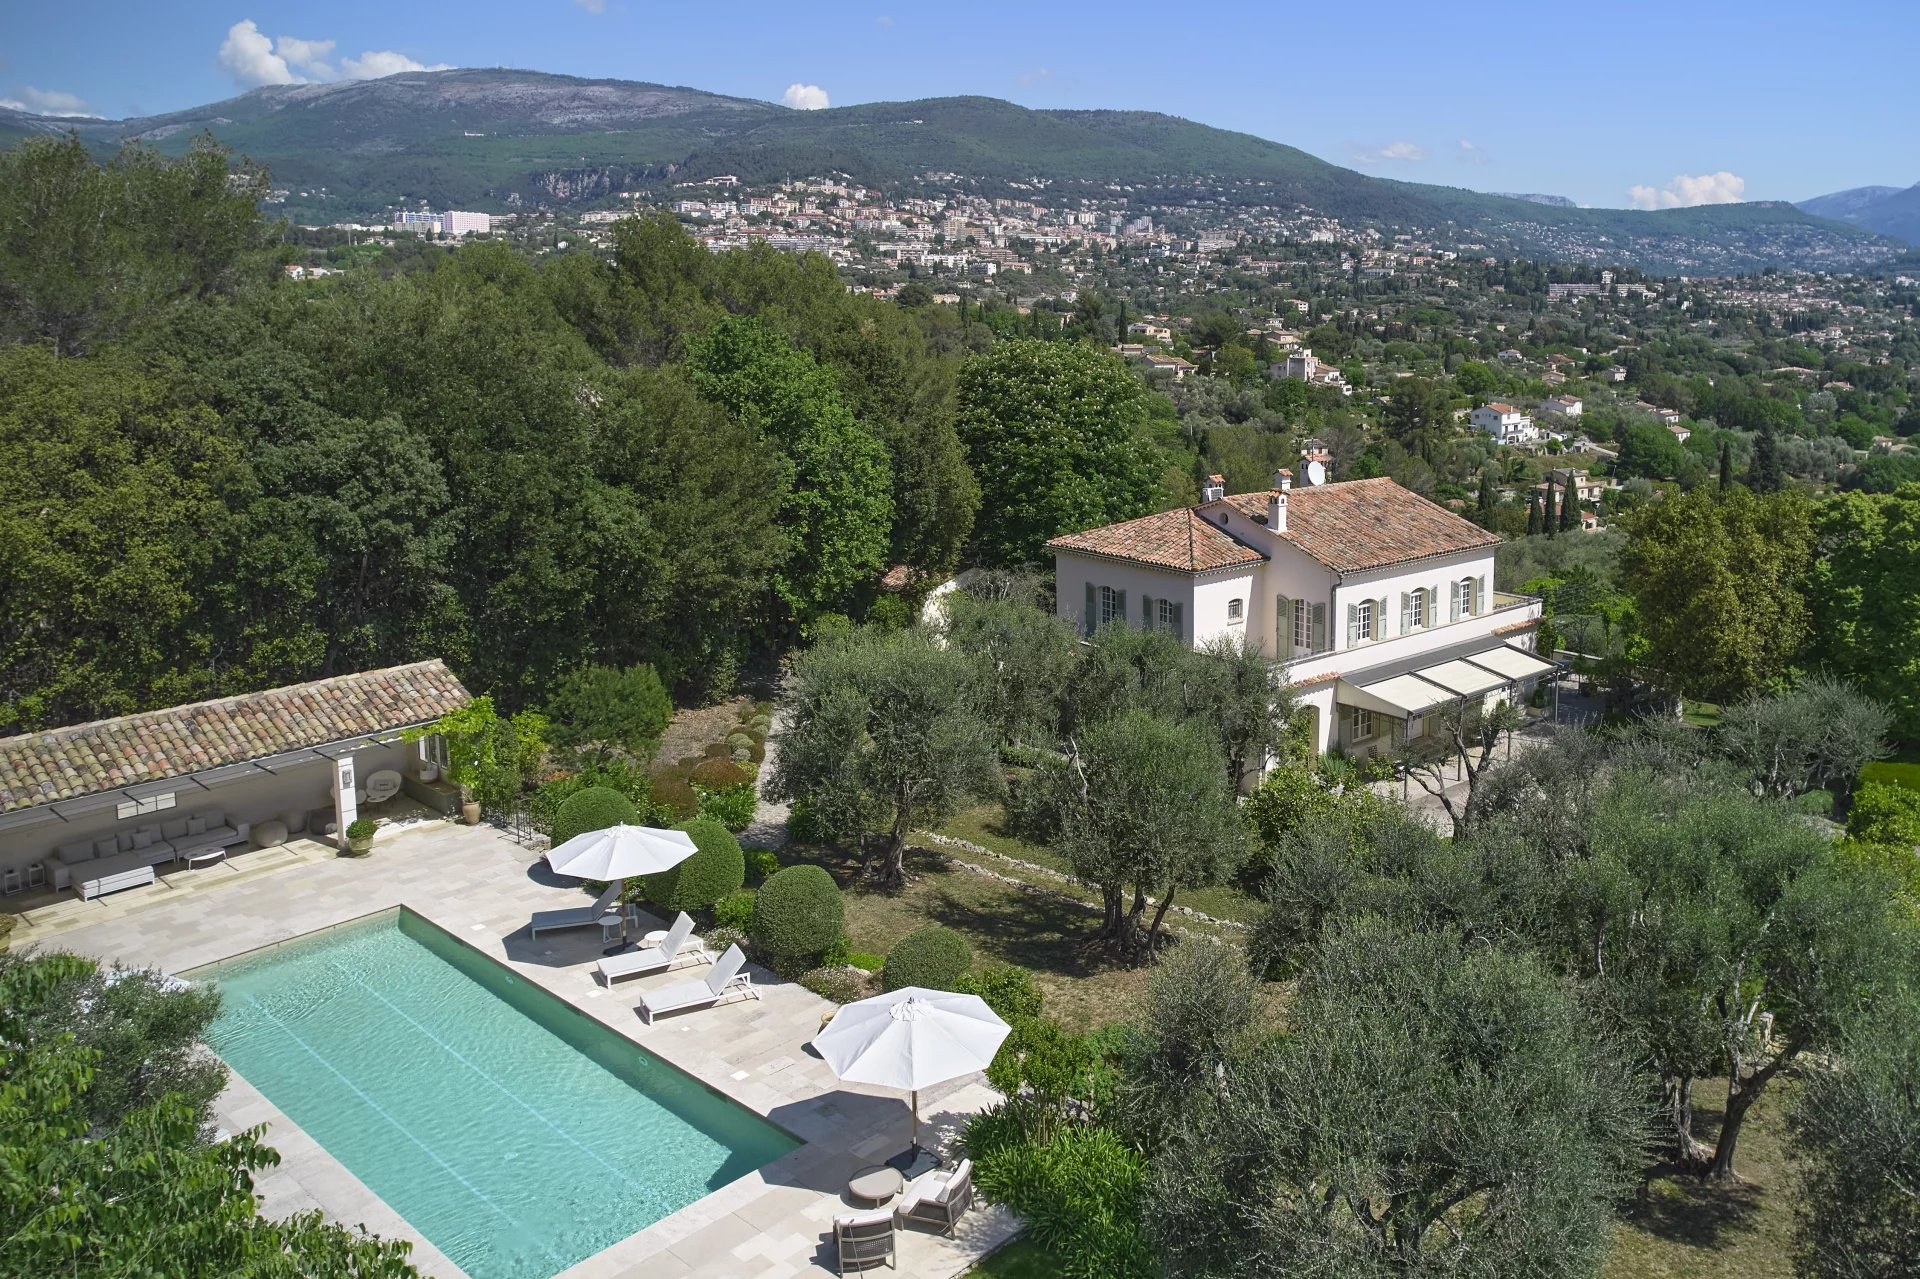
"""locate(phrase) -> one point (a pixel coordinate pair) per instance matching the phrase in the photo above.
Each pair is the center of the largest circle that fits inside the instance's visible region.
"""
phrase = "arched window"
(1236, 610)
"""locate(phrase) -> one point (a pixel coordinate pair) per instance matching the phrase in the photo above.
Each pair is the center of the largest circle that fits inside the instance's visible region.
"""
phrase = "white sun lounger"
(725, 978)
(578, 916)
(678, 948)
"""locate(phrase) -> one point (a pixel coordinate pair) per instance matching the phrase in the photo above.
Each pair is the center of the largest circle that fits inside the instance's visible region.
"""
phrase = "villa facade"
(1375, 604)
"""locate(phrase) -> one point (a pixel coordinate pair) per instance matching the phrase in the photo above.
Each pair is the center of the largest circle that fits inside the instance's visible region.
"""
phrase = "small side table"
(875, 1185)
(613, 926)
(653, 938)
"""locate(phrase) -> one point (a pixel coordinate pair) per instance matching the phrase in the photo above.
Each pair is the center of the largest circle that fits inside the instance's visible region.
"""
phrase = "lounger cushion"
(854, 1220)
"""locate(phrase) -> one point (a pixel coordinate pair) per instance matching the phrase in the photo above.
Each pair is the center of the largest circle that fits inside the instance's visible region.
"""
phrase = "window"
(1467, 592)
(1168, 616)
(1302, 627)
(1363, 620)
(141, 807)
(1359, 724)
(1417, 610)
(1113, 605)
(1236, 610)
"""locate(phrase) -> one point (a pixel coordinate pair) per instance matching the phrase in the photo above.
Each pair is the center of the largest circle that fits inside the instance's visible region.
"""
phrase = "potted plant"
(360, 836)
(488, 757)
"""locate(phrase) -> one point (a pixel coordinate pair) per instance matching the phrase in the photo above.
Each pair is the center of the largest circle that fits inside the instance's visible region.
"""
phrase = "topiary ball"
(595, 808)
(718, 774)
(672, 792)
(798, 913)
(717, 868)
(933, 956)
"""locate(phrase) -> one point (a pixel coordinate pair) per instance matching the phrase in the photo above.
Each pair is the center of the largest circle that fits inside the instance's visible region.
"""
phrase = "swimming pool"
(514, 1132)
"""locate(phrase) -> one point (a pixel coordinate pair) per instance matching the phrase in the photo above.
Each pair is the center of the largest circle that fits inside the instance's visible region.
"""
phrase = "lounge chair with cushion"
(864, 1240)
(939, 1198)
(697, 992)
(678, 949)
(578, 916)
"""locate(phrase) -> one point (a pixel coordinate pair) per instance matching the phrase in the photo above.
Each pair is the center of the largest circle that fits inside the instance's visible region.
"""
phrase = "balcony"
(1508, 610)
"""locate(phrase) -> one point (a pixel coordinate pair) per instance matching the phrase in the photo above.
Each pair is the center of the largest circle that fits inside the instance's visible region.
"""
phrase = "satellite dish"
(1316, 473)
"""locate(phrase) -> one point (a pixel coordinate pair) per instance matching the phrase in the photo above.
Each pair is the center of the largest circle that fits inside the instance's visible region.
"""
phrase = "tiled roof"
(1363, 524)
(66, 763)
(1172, 539)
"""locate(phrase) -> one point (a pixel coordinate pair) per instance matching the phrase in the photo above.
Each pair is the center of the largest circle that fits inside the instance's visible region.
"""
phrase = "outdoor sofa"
(109, 863)
(939, 1198)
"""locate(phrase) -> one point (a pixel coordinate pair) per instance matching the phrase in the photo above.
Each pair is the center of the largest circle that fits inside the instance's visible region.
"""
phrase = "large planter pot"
(470, 812)
(359, 847)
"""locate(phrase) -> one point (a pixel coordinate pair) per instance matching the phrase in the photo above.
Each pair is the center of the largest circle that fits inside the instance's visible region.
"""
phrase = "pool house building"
(95, 808)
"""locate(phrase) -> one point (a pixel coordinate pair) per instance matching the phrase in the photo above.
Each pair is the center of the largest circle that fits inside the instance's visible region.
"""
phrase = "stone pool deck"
(481, 887)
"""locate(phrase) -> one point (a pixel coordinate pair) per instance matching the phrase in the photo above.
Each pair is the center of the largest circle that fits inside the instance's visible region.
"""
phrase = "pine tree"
(1766, 476)
(1570, 508)
(1548, 523)
(1726, 464)
(1533, 514)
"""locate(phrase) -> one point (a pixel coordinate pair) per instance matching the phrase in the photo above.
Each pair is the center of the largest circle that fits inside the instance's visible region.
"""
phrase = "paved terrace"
(481, 887)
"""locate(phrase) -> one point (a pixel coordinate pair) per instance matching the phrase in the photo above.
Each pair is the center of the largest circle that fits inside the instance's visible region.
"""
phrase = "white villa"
(1505, 423)
(1303, 365)
(1376, 604)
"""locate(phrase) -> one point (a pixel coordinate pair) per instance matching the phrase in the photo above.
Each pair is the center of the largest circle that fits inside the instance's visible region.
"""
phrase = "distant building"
(1147, 328)
(1303, 366)
(1512, 355)
(1680, 433)
(1616, 373)
(1505, 423)
(1315, 450)
(1567, 406)
(458, 223)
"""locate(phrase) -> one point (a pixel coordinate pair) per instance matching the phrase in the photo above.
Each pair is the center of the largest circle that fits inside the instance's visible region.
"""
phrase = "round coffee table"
(875, 1185)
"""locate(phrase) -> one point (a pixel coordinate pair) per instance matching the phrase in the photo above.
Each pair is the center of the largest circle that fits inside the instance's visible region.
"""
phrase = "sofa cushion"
(216, 818)
(143, 838)
(75, 853)
(196, 825)
(105, 846)
(174, 828)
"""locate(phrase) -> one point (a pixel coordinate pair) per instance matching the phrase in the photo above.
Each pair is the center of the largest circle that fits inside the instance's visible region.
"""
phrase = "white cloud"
(253, 59)
(1039, 75)
(1471, 154)
(1404, 152)
(375, 63)
(249, 58)
(592, 6)
(48, 102)
(804, 97)
(1686, 191)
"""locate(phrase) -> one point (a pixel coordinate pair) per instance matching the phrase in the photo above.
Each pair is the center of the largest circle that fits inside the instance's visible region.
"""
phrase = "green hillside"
(498, 139)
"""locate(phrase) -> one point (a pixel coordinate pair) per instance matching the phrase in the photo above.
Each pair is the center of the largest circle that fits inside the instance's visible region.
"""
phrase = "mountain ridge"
(1892, 211)
(496, 138)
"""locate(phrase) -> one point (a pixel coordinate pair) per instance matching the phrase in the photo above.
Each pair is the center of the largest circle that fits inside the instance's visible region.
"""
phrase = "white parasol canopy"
(621, 852)
(911, 1039)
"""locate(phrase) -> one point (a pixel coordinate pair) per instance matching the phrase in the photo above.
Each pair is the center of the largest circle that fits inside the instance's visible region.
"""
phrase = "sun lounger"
(578, 916)
(678, 948)
(939, 1198)
(725, 978)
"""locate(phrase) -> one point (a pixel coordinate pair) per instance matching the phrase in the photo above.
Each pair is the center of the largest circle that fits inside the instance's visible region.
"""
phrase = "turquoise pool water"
(513, 1131)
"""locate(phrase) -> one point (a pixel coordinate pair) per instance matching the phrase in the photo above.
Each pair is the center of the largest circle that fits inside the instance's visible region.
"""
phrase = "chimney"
(1214, 489)
(1277, 502)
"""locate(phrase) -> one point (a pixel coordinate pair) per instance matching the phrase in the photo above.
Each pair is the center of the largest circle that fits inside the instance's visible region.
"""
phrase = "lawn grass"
(1018, 1260)
(1893, 772)
(1701, 714)
(1684, 1227)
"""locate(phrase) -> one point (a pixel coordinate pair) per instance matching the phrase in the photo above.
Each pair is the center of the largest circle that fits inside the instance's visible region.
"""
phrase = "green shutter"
(1282, 626)
(1317, 632)
(1120, 607)
(1180, 621)
(1353, 625)
(1406, 611)
(1087, 618)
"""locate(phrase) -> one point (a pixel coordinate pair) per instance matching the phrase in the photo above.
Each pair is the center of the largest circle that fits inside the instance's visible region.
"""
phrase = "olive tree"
(885, 731)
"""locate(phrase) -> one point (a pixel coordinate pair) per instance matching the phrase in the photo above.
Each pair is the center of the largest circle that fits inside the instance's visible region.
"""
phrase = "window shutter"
(1120, 607)
(1453, 601)
(1282, 626)
(1479, 595)
(1353, 625)
(1180, 620)
(1146, 612)
(1089, 619)
(1317, 637)
(1406, 612)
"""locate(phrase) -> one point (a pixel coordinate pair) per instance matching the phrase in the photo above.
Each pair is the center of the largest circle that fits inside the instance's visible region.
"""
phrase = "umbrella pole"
(915, 1147)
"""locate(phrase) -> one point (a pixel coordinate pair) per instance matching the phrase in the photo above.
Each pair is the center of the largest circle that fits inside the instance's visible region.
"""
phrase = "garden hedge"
(717, 868)
(594, 808)
(933, 956)
(798, 913)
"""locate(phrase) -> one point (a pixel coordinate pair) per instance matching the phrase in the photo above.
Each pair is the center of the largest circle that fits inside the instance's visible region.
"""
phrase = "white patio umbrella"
(621, 852)
(911, 1039)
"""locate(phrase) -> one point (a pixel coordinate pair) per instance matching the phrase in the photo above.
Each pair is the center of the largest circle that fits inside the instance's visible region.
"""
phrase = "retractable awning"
(1398, 695)
(1512, 663)
(1464, 679)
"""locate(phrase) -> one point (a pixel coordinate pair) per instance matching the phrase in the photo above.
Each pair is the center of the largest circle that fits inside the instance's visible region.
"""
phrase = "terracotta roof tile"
(1366, 524)
(1172, 539)
(66, 763)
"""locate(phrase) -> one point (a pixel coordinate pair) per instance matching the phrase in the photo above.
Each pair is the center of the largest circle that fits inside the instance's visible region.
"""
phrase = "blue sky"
(1650, 103)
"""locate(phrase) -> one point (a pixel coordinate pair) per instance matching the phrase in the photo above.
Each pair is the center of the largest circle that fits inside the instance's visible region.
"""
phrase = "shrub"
(716, 774)
(622, 775)
(760, 864)
(731, 806)
(716, 869)
(595, 808)
(866, 960)
(1892, 773)
(805, 826)
(1080, 1194)
(718, 939)
(797, 913)
(361, 828)
(1883, 814)
(740, 741)
(734, 911)
(842, 985)
(1007, 988)
(933, 956)
(674, 793)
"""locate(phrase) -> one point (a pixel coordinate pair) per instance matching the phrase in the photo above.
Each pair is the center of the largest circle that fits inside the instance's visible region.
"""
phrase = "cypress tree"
(1766, 475)
(1533, 513)
(1548, 523)
(1570, 508)
(1486, 494)
(1726, 465)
